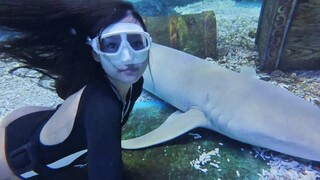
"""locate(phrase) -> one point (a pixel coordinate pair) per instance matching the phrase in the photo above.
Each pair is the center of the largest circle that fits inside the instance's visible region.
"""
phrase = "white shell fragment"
(204, 158)
(195, 135)
(238, 174)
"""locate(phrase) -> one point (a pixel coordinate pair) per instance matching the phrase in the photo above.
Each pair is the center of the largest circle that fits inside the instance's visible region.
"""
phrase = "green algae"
(171, 160)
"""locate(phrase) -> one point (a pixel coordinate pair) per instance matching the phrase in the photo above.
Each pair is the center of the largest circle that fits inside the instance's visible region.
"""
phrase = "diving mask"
(122, 44)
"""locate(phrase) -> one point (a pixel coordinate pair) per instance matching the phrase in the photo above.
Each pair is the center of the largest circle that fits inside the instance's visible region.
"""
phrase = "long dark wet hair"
(56, 40)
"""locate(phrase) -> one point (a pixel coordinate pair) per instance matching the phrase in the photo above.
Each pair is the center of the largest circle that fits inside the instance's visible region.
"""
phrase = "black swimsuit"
(96, 137)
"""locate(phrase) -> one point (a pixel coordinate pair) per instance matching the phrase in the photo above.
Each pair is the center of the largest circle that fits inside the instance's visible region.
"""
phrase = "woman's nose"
(126, 55)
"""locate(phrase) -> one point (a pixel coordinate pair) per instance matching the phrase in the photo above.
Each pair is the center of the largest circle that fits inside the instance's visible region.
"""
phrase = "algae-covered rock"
(222, 158)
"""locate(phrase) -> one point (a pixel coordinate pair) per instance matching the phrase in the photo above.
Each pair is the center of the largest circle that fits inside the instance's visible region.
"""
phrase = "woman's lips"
(129, 69)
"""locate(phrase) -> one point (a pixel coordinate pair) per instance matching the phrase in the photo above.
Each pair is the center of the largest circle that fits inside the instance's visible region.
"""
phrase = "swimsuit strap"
(126, 106)
(25, 162)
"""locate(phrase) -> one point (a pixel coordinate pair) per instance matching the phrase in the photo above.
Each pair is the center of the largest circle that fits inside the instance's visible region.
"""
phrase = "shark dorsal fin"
(248, 71)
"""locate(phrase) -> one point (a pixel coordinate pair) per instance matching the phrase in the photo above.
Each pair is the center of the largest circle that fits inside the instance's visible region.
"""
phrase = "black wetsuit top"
(97, 128)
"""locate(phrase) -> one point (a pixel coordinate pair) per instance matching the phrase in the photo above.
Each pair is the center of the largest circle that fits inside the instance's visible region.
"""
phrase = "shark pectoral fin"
(176, 124)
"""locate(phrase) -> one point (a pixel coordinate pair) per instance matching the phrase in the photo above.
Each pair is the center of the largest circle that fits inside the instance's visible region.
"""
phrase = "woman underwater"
(100, 78)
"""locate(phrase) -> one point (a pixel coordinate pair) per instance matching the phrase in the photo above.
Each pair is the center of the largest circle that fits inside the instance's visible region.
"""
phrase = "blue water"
(148, 104)
(7, 34)
(248, 4)
(165, 7)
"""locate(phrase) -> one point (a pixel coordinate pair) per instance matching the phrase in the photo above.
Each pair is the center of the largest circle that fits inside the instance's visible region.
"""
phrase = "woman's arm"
(101, 113)
(103, 132)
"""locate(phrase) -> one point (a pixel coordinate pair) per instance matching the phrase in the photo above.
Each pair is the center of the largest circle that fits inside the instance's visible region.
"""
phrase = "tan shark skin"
(234, 104)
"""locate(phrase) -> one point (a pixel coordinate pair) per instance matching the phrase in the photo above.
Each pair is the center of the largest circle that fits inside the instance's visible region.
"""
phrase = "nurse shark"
(237, 105)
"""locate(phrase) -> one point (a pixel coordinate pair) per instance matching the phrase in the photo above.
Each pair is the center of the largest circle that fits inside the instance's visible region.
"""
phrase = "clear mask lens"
(114, 43)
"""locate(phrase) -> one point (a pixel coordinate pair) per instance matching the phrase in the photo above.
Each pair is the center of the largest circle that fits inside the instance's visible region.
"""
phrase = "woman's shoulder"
(104, 85)
(100, 90)
(98, 87)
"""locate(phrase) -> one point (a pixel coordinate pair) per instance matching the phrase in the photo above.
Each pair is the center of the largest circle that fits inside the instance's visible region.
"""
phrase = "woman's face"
(126, 66)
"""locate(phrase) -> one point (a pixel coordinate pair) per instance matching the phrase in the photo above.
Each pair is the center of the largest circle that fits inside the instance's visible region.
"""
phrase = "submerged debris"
(204, 158)
(238, 174)
(285, 167)
(281, 166)
(195, 135)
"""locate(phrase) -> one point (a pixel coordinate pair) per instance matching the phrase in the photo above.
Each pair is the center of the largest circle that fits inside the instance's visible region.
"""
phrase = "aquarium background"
(199, 154)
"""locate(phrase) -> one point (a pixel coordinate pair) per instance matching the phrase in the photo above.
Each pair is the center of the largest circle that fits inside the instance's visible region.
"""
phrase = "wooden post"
(289, 34)
(194, 33)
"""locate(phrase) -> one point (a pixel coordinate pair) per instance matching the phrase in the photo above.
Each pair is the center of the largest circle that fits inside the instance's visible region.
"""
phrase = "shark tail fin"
(177, 124)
